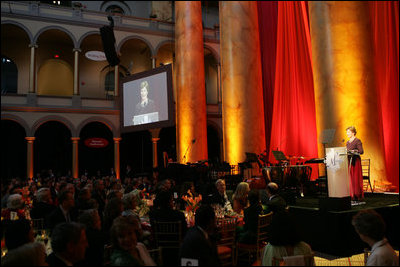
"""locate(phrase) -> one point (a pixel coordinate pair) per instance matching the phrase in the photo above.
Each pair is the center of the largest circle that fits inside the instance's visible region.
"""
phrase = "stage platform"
(331, 232)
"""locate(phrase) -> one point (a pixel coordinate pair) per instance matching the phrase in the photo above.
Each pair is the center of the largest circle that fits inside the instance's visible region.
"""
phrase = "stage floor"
(331, 232)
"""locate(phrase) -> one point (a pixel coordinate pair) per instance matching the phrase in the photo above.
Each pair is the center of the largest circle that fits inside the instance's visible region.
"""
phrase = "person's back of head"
(370, 224)
(31, 254)
(67, 240)
(205, 217)
(272, 188)
(15, 202)
(284, 230)
(254, 197)
(43, 195)
(163, 199)
(18, 233)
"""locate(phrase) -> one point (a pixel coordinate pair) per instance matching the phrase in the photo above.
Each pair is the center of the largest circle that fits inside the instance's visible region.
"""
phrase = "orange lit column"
(116, 157)
(344, 76)
(29, 157)
(155, 138)
(32, 87)
(191, 96)
(242, 95)
(75, 157)
(76, 70)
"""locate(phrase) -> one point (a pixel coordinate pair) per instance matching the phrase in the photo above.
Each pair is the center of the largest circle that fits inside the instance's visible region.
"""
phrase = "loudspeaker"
(335, 203)
(108, 39)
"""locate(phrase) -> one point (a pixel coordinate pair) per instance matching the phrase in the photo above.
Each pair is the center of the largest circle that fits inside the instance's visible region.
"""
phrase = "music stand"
(251, 157)
(278, 155)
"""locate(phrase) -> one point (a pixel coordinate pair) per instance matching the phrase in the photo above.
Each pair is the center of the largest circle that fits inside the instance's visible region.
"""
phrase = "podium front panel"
(337, 172)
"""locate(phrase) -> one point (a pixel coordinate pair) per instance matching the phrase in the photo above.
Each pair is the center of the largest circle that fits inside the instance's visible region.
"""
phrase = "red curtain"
(385, 36)
(293, 128)
(268, 18)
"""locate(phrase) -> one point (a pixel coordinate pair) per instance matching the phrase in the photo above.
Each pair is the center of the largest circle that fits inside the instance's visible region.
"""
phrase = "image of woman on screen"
(355, 147)
(146, 105)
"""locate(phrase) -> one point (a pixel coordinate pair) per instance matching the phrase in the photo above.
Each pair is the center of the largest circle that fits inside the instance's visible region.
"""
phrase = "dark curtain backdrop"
(385, 36)
(288, 79)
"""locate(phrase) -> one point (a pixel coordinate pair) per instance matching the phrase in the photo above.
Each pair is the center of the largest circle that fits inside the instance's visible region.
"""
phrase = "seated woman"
(284, 240)
(248, 234)
(239, 198)
(126, 250)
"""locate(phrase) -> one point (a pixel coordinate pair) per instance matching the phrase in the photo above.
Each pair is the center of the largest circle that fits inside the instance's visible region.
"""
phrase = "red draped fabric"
(385, 31)
(293, 128)
(268, 18)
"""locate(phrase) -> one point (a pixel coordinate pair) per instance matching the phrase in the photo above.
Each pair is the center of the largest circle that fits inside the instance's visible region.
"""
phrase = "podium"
(338, 180)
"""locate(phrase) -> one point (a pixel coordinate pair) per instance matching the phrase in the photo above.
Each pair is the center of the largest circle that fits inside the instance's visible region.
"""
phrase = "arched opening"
(93, 157)
(136, 151)
(167, 143)
(53, 149)
(211, 77)
(9, 76)
(55, 58)
(213, 144)
(135, 56)
(13, 150)
(55, 77)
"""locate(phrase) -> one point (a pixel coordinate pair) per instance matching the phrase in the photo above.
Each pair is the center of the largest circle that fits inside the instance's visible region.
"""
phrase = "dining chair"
(226, 243)
(168, 235)
(253, 250)
(365, 167)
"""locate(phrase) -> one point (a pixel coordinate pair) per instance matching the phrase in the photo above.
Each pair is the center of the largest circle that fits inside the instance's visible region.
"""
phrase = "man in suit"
(69, 243)
(199, 244)
(64, 212)
(220, 197)
(274, 202)
(43, 205)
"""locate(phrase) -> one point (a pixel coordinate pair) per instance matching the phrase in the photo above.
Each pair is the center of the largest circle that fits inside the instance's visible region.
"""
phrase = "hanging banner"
(96, 142)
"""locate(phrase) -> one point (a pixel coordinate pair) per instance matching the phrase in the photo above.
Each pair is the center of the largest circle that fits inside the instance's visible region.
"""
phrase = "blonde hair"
(352, 129)
(241, 191)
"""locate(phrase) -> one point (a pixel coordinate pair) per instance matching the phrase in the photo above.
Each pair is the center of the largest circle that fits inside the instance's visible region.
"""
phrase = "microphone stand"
(187, 149)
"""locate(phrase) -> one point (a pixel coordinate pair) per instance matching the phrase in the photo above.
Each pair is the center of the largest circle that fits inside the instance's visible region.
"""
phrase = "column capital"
(117, 139)
(30, 139)
(76, 50)
(33, 45)
(155, 140)
(75, 139)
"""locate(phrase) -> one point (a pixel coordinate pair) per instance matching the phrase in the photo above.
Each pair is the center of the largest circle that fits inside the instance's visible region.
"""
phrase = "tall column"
(191, 97)
(153, 62)
(116, 80)
(155, 133)
(29, 157)
(344, 76)
(75, 157)
(32, 65)
(117, 167)
(241, 79)
(76, 70)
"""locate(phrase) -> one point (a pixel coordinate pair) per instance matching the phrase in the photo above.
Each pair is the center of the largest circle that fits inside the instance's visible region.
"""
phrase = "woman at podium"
(355, 149)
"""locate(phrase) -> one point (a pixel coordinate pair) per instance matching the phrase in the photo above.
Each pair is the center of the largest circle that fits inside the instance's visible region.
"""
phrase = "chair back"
(299, 260)
(262, 229)
(167, 234)
(365, 166)
(227, 231)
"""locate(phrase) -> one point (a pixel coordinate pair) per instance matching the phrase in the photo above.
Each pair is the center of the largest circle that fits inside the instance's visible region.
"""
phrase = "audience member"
(163, 210)
(198, 244)
(126, 250)
(83, 202)
(275, 202)
(69, 243)
(371, 227)
(248, 234)
(239, 198)
(30, 254)
(18, 233)
(220, 197)
(43, 204)
(94, 253)
(64, 212)
(112, 210)
(284, 240)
